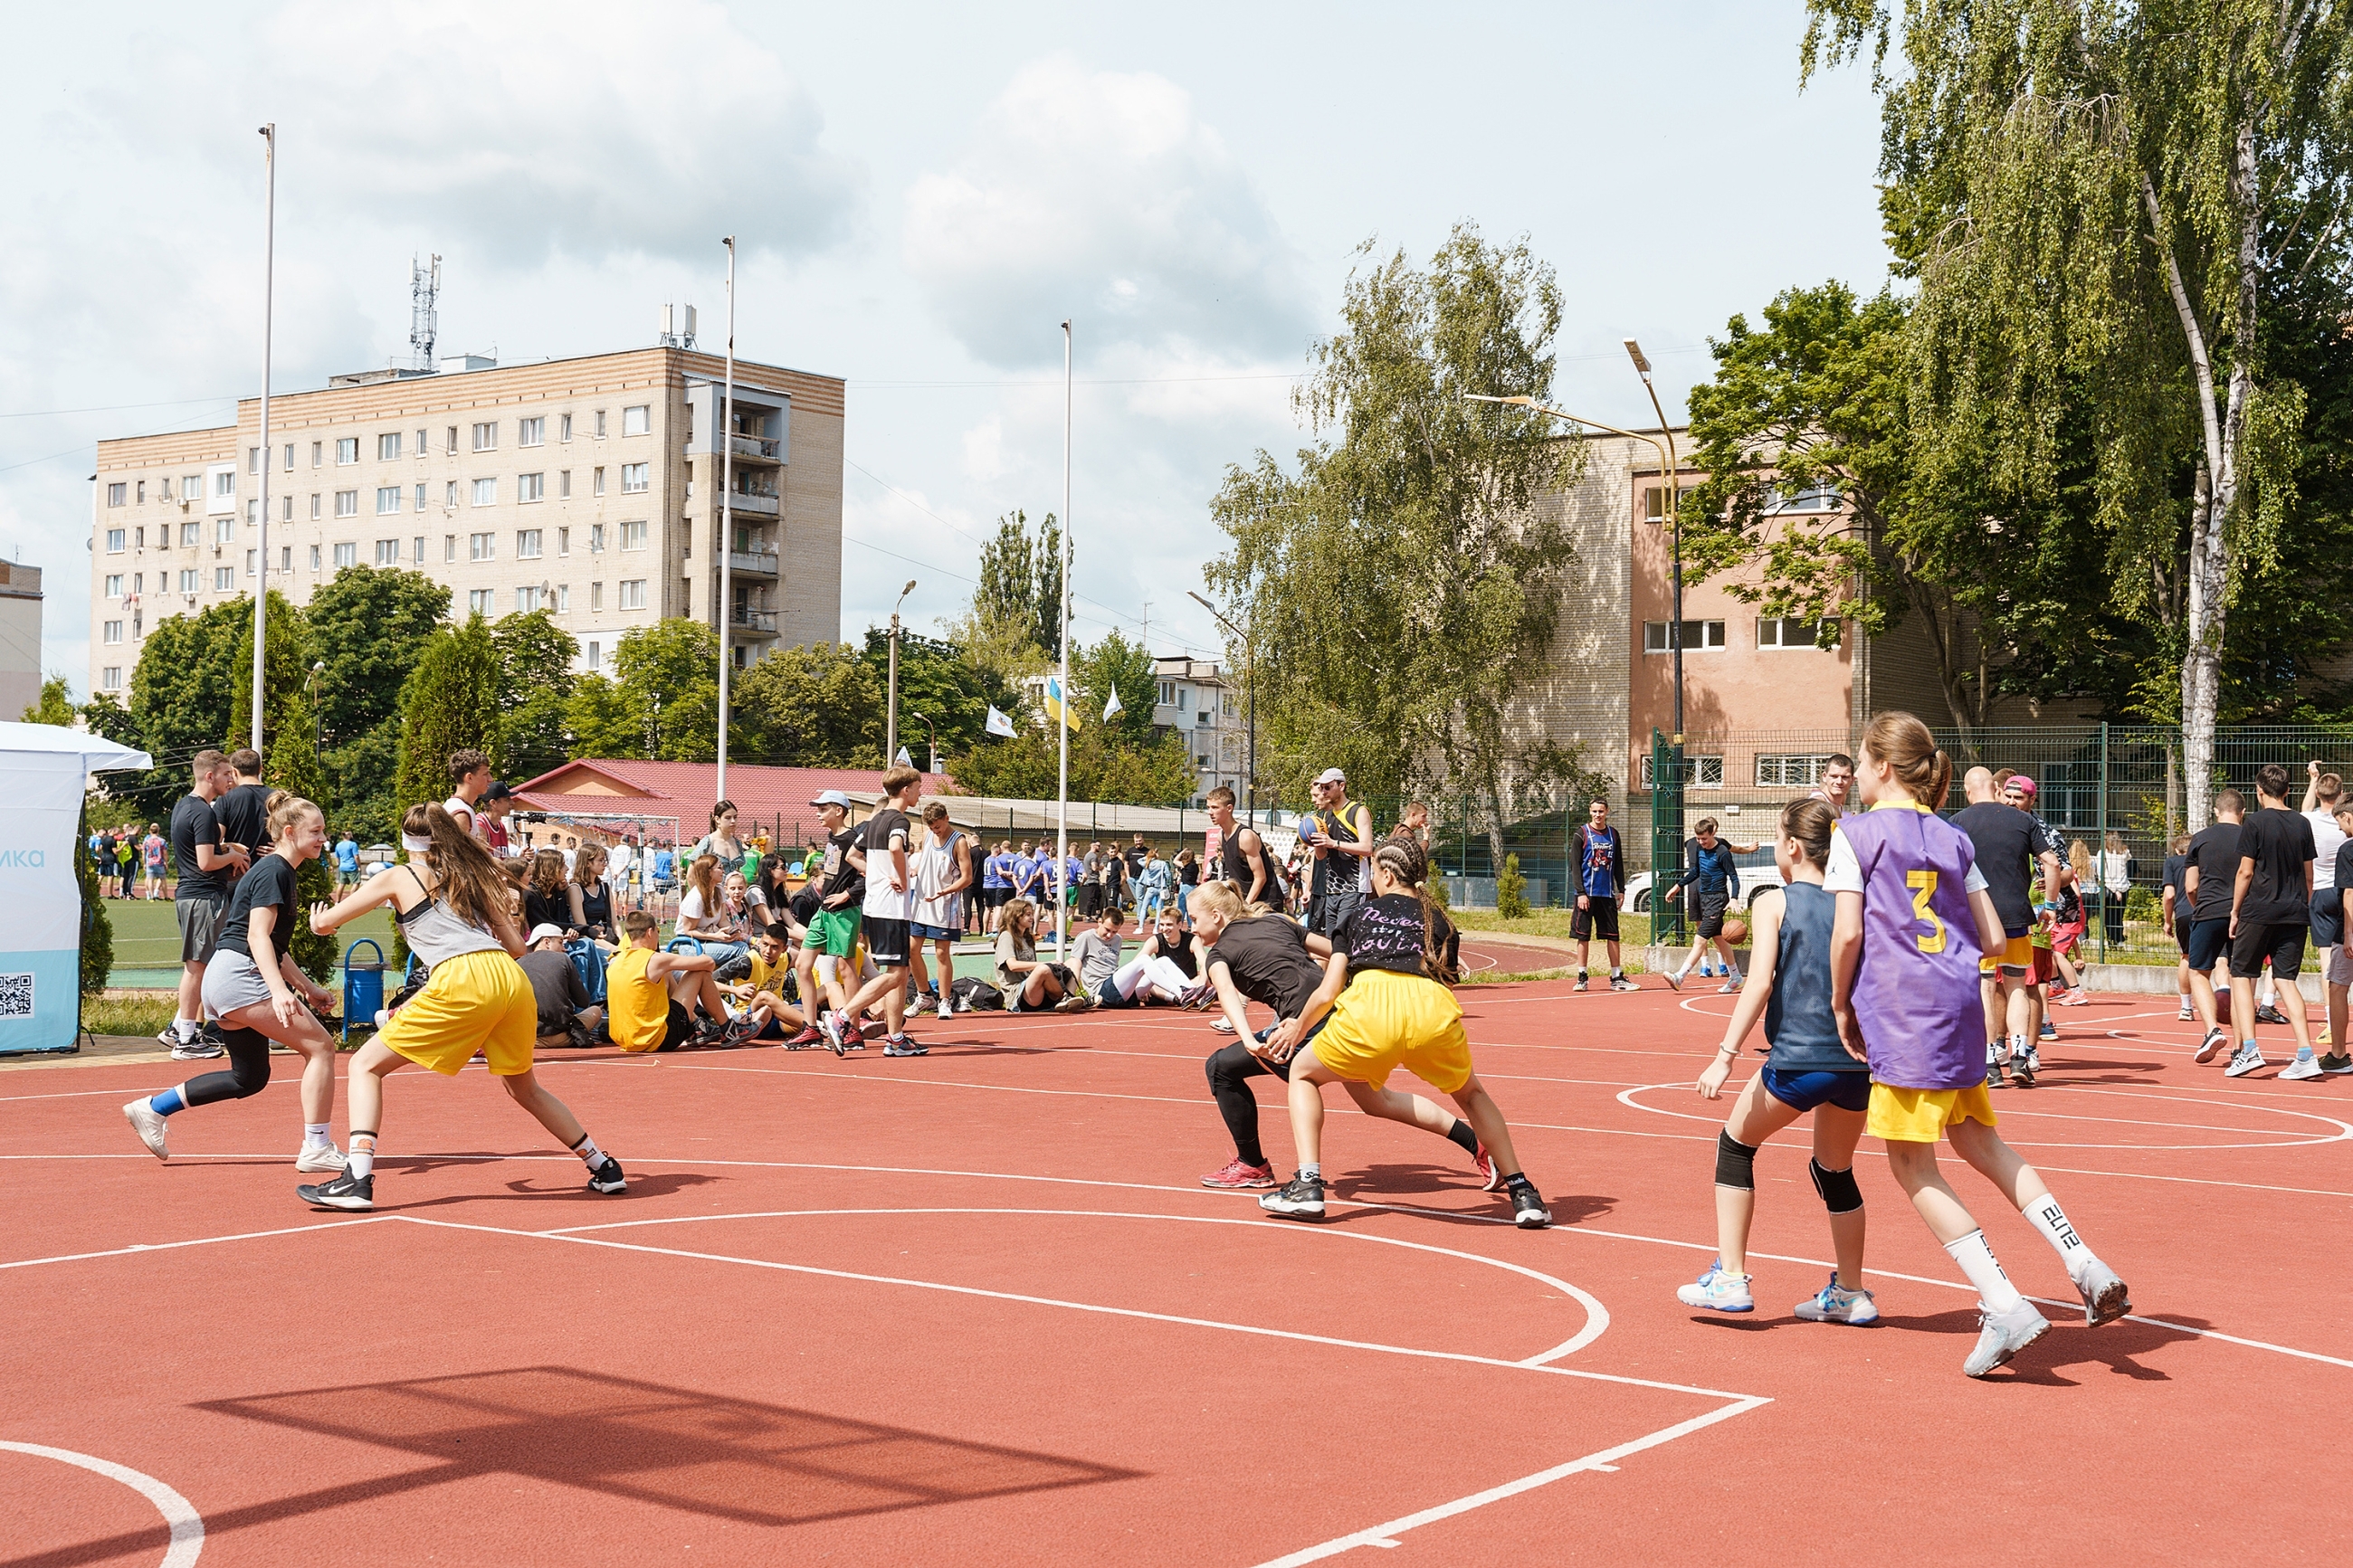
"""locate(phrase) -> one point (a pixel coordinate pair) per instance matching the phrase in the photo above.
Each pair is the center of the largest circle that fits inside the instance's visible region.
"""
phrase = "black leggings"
(1231, 1071)
(247, 1074)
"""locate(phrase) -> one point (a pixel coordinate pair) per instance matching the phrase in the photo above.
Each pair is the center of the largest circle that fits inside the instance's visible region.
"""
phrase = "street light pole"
(1250, 697)
(891, 715)
(934, 732)
(726, 519)
(268, 292)
(1675, 529)
(318, 722)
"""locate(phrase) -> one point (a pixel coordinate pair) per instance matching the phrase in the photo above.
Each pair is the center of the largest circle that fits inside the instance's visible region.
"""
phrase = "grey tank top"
(434, 933)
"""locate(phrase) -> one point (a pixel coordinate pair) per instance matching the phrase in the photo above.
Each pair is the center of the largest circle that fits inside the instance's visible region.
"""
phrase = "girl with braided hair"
(1384, 1003)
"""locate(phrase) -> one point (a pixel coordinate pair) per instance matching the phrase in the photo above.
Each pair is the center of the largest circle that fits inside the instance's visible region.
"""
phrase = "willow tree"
(2093, 196)
(1400, 583)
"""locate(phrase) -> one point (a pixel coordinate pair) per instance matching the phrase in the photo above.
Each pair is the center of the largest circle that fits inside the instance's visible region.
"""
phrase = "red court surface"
(974, 1309)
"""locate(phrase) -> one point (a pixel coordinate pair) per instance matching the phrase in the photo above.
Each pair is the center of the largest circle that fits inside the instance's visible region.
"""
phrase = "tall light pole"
(1250, 697)
(1062, 727)
(934, 732)
(1674, 532)
(318, 722)
(269, 288)
(891, 713)
(726, 519)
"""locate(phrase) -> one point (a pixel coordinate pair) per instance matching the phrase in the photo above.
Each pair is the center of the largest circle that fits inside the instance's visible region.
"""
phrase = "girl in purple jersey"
(1913, 919)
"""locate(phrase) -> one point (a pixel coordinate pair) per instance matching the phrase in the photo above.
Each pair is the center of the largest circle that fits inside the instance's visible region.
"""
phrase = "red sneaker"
(812, 1035)
(1489, 1178)
(1236, 1176)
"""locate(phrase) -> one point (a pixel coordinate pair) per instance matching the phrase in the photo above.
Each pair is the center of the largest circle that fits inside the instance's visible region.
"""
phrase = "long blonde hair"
(1904, 744)
(1222, 901)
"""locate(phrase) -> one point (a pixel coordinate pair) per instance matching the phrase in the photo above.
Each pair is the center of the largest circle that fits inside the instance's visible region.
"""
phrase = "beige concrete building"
(20, 639)
(588, 487)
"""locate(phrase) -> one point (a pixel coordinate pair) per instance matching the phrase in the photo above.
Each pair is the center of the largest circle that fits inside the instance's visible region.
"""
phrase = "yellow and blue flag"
(1055, 706)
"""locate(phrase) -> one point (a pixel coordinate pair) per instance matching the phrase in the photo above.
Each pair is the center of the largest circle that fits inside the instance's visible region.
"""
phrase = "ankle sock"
(2051, 1221)
(1311, 1173)
(588, 1152)
(1519, 1179)
(186, 1029)
(1977, 1261)
(1616, 974)
(361, 1164)
(1461, 1135)
(170, 1102)
(2304, 1053)
(315, 1135)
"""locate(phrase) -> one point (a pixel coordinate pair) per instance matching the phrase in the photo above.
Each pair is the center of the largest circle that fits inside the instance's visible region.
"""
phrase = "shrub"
(1512, 891)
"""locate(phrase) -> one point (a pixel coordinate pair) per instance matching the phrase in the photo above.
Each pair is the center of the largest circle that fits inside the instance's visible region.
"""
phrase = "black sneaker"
(1580, 982)
(2271, 1016)
(606, 1176)
(1528, 1211)
(2023, 1066)
(346, 1191)
(900, 1045)
(1301, 1198)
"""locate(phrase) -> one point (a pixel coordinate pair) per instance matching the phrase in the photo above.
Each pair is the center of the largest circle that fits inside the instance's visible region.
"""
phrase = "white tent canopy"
(44, 771)
(98, 753)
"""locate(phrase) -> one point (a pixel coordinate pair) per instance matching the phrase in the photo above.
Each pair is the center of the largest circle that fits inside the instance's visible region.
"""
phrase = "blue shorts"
(2209, 942)
(918, 932)
(1804, 1090)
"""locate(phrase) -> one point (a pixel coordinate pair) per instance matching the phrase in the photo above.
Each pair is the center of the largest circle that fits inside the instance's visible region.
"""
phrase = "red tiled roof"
(684, 791)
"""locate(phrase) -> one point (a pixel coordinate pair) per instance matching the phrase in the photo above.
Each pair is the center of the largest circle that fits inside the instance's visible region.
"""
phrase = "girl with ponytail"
(1913, 919)
(452, 905)
(1384, 1005)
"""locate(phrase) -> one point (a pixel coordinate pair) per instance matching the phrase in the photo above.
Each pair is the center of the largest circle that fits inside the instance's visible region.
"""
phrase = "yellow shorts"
(474, 1002)
(1385, 1021)
(2017, 957)
(1922, 1115)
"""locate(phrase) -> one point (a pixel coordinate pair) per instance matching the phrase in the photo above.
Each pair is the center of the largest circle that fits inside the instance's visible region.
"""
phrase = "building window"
(633, 536)
(531, 432)
(564, 427)
(286, 558)
(114, 631)
(387, 446)
(481, 546)
(420, 498)
(1802, 771)
(423, 447)
(448, 548)
(486, 493)
(315, 506)
(486, 436)
(596, 655)
(140, 499)
(112, 678)
(387, 553)
(526, 601)
(596, 603)
(253, 511)
(596, 539)
(117, 494)
(253, 459)
(451, 444)
(600, 424)
(346, 555)
(1654, 501)
(249, 561)
(633, 594)
(347, 503)
(347, 450)
(635, 478)
(450, 495)
(289, 464)
(531, 487)
(286, 509)
(1698, 637)
(416, 553)
(225, 530)
(388, 498)
(314, 558)
(527, 543)
(1168, 694)
(478, 601)
(1819, 496)
(564, 541)
(223, 482)
(564, 484)
(1793, 633)
(318, 453)
(224, 579)
(115, 541)
(191, 535)
(139, 582)
(564, 598)
(187, 580)
(192, 488)
(1699, 773)
(114, 585)
(596, 483)
(636, 421)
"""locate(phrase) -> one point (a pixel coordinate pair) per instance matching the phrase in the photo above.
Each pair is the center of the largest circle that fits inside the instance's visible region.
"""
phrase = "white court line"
(199, 1241)
(187, 1526)
(1596, 1316)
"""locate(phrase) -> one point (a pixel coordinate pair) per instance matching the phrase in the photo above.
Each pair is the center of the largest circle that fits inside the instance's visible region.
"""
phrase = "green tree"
(1046, 614)
(601, 722)
(54, 705)
(668, 679)
(818, 707)
(367, 626)
(1401, 588)
(186, 684)
(534, 658)
(450, 702)
(1024, 767)
(286, 666)
(2092, 200)
(293, 766)
(1006, 594)
(1115, 664)
(936, 678)
(96, 927)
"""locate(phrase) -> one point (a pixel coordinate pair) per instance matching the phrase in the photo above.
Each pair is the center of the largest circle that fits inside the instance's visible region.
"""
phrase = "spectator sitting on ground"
(1095, 955)
(566, 1015)
(651, 995)
(1164, 972)
(761, 999)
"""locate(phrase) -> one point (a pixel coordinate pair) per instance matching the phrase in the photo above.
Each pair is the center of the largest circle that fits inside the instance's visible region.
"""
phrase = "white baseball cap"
(832, 797)
(1331, 775)
(541, 931)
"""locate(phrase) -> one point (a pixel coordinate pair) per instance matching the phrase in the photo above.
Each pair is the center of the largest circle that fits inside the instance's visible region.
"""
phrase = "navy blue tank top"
(1797, 1019)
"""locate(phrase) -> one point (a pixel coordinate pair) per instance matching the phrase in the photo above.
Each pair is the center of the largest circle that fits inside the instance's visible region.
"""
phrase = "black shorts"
(1711, 908)
(2208, 941)
(886, 942)
(2181, 933)
(2283, 943)
(1595, 917)
(994, 897)
(677, 1030)
(2327, 917)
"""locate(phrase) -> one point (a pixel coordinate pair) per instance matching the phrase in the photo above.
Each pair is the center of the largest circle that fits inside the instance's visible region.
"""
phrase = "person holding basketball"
(1713, 877)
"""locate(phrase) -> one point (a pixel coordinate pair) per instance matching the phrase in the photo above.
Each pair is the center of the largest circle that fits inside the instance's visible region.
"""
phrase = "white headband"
(414, 844)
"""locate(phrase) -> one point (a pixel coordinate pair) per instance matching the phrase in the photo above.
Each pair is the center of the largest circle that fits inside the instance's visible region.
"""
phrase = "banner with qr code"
(40, 903)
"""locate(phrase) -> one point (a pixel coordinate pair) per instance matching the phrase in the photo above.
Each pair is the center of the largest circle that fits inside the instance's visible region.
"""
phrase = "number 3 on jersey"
(1924, 887)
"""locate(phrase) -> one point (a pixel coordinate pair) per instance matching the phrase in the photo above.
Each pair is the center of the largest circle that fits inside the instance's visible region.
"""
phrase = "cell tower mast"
(424, 289)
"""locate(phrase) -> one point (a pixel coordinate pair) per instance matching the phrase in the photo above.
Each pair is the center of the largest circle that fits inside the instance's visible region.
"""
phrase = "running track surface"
(974, 1309)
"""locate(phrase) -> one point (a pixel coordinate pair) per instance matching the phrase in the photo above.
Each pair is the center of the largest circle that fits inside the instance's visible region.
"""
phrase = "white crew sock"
(1977, 1261)
(587, 1150)
(2051, 1221)
(315, 1135)
(2017, 1044)
(186, 1027)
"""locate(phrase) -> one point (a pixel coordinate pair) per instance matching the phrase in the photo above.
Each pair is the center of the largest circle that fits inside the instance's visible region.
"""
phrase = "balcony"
(760, 623)
(766, 448)
(752, 563)
(744, 501)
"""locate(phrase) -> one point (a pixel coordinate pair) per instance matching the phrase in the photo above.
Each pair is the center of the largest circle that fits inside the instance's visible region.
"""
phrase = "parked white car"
(1752, 878)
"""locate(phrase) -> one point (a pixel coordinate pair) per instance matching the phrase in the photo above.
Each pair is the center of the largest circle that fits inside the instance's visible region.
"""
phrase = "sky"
(921, 193)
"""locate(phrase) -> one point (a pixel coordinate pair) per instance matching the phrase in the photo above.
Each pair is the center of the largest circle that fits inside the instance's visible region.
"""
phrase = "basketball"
(1735, 931)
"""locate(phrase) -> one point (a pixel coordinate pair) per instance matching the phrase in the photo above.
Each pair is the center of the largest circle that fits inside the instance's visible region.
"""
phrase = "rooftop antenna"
(424, 289)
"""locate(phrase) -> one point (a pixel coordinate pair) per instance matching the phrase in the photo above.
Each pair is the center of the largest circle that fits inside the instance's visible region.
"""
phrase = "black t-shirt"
(1135, 855)
(2279, 843)
(2004, 840)
(840, 876)
(2176, 867)
(555, 989)
(269, 885)
(540, 909)
(1386, 933)
(1270, 963)
(2214, 856)
(2344, 872)
(194, 823)
(244, 813)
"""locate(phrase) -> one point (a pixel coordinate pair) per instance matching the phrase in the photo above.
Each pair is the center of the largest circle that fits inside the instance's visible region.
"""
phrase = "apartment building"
(20, 639)
(588, 487)
(1196, 700)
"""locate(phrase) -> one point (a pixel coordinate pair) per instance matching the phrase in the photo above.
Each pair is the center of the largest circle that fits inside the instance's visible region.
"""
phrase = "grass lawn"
(147, 941)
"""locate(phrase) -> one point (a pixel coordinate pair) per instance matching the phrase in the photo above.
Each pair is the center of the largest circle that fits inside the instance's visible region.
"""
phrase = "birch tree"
(2095, 197)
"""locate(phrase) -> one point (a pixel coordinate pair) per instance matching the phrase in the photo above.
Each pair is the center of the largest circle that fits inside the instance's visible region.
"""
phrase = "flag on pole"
(999, 724)
(1112, 708)
(904, 759)
(1055, 708)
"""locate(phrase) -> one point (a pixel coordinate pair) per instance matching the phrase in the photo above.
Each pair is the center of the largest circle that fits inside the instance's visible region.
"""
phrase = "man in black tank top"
(1242, 858)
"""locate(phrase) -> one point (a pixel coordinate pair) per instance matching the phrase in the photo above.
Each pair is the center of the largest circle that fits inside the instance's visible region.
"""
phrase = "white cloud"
(1101, 196)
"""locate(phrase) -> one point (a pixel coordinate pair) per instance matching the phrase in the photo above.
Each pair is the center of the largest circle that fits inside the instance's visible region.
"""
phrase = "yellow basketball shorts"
(1385, 1021)
(474, 1002)
(2017, 957)
(1922, 1115)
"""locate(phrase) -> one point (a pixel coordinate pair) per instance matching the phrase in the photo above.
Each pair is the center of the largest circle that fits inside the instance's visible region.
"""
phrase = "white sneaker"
(2248, 1061)
(1221, 1027)
(2216, 1038)
(1833, 1305)
(1730, 987)
(2301, 1068)
(1718, 1291)
(325, 1157)
(148, 1125)
(2188, 1014)
(2003, 1336)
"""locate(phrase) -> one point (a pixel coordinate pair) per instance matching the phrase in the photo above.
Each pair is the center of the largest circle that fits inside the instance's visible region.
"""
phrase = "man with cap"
(566, 1015)
(490, 817)
(1339, 833)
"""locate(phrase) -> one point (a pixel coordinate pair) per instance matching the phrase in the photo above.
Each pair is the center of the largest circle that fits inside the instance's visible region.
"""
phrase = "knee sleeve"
(1840, 1194)
(1736, 1162)
(249, 1057)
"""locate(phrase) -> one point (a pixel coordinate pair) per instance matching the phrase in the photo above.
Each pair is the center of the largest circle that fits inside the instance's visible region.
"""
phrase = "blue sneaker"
(1836, 1306)
(1718, 1291)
